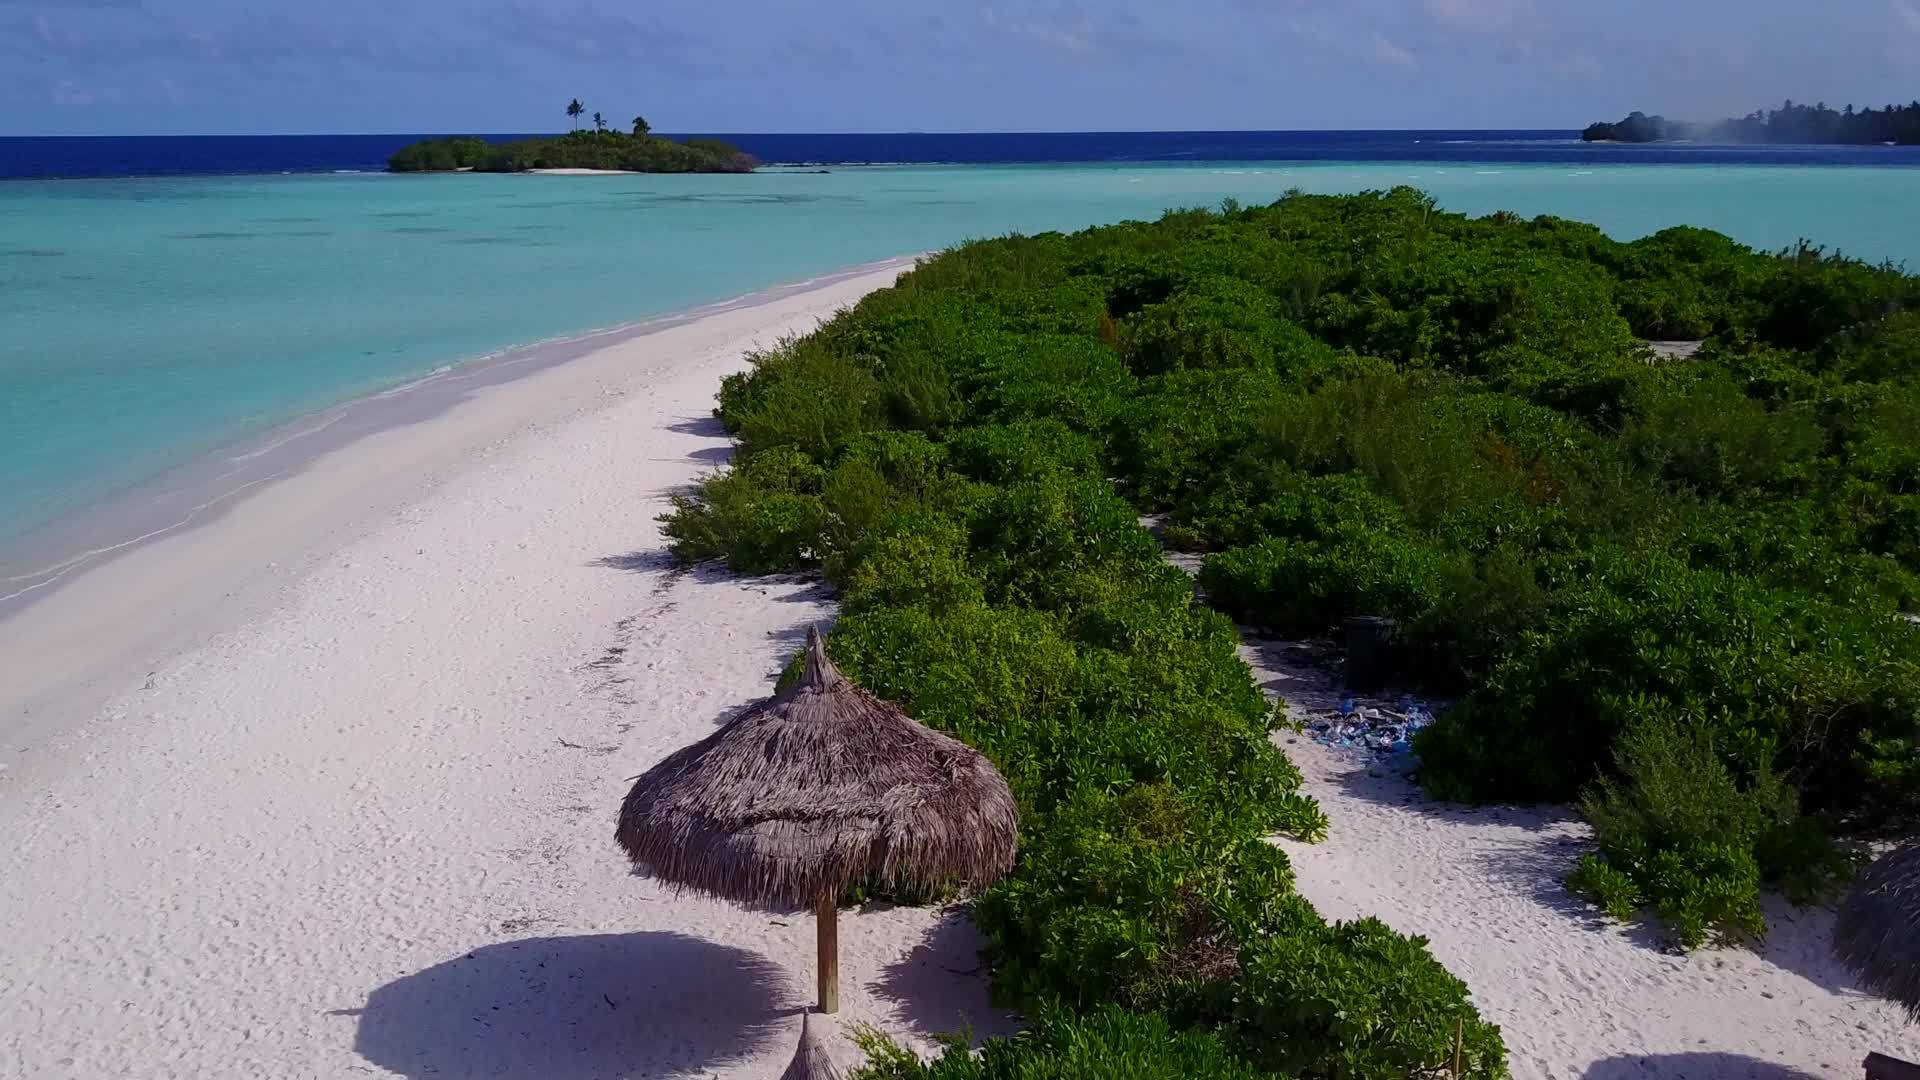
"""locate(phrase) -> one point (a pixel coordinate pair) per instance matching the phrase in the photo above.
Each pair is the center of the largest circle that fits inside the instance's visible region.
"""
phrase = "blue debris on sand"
(1371, 726)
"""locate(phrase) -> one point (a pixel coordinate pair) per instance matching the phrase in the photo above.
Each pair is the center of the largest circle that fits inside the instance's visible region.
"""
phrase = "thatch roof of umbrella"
(816, 790)
(1877, 933)
(810, 1060)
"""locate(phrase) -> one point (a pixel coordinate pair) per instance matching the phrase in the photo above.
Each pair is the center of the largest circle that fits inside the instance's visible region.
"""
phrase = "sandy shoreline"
(356, 816)
(204, 491)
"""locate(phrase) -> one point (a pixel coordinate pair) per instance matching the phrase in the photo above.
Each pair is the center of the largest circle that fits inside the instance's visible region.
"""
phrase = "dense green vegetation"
(942, 454)
(1110, 1044)
(1788, 124)
(1669, 590)
(575, 150)
(599, 148)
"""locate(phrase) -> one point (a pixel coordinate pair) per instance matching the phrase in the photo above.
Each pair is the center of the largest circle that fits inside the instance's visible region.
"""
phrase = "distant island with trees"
(1895, 124)
(595, 148)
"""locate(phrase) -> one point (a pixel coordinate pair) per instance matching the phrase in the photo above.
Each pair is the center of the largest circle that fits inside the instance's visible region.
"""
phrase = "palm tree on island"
(607, 148)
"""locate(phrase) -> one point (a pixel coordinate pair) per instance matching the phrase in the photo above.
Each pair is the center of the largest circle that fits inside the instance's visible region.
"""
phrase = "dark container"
(1369, 651)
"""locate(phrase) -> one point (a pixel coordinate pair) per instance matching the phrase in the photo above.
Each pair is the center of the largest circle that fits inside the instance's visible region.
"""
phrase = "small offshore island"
(595, 150)
(1895, 125)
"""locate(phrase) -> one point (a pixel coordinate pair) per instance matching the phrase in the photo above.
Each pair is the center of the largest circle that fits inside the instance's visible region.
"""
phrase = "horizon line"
(716, 131)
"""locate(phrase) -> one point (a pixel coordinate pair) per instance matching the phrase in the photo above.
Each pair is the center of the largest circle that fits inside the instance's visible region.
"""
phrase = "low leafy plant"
(1106, 1044)
(764, 517)
(1610, 888)
(1678, 831)
(1359, 1000)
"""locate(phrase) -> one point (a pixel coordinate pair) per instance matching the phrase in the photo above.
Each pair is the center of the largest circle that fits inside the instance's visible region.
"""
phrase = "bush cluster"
(1364, 406)
(943, 454)
(1670, 590)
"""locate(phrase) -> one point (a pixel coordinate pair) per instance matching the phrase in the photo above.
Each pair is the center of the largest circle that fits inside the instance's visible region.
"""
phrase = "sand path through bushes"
(1576, 997)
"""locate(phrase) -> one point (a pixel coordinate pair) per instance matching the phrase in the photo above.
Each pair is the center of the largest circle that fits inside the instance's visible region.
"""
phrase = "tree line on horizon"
(1791, 123)
(579, 148)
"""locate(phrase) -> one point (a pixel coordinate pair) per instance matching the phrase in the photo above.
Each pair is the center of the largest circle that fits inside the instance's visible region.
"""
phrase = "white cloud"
(1480, 16)
(1388, 53)
(1075, 37)
(69, 93)
(1908, 13)
(1581, 65)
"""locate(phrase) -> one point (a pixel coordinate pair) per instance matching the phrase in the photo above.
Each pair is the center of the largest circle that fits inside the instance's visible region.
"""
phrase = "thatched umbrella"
(1877, 933)
(818, 789)
(810, 1060)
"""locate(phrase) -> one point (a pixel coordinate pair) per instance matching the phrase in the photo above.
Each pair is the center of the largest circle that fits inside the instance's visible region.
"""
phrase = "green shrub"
(1105, 907)
(918, 395)
(1074, 380)
(1710, 438)
(1306, 586)
(1170, 437)
(1880, 351)
(858, 497)
(1255, 498)
(802, 396)
(1771, 672)
(1024, 450)
(1000, 679)
(1610, 888)
(1811, 297)
(1059, 542)
(1483, 603)
(1682, 830)
(1175, 706)
(1358, 1000)
(1671, 309)
(764, 517)
(1106, 1044)
(1216, 322)
(920, 567)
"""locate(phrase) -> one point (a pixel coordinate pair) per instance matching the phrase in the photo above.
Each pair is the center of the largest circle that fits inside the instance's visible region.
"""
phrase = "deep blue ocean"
(190, 155)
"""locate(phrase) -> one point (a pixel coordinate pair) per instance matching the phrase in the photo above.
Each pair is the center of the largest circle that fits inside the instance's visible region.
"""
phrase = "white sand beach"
(1576, 997)
(356, 817)
(328, 783)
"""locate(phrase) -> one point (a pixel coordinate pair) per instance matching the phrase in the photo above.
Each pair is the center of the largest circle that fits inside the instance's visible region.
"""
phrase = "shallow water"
(147, 321)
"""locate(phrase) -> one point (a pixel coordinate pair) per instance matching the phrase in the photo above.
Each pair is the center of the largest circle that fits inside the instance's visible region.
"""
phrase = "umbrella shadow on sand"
(570, 1008)
(1800, 939)
(940, 987)
(1699, 1066)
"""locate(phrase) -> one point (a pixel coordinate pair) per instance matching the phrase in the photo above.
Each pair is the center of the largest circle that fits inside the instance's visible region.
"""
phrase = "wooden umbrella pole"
(826, 919)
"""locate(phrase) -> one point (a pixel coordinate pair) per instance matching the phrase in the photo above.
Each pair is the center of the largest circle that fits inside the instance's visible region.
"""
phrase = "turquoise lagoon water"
(144, 322)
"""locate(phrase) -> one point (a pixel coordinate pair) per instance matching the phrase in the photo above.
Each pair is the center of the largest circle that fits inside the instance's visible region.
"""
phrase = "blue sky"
(219, 66)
